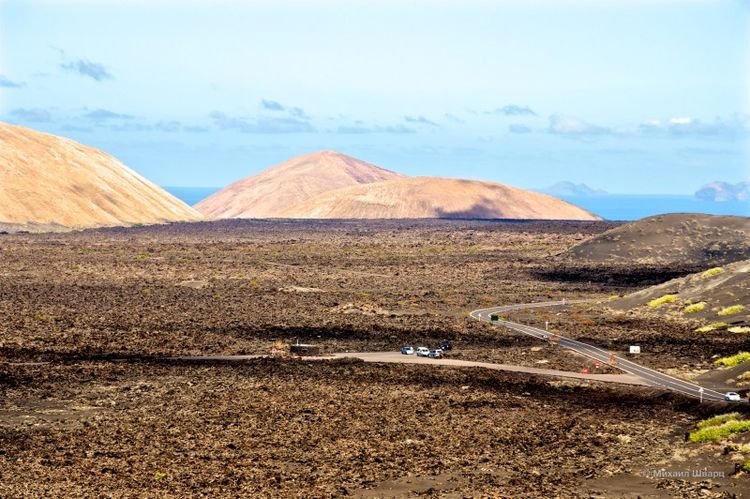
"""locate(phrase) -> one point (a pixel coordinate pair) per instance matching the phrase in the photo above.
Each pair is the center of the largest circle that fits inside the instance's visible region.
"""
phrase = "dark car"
(446, 346)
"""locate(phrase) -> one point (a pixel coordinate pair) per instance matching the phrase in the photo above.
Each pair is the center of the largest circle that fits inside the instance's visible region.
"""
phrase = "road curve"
(649, 376)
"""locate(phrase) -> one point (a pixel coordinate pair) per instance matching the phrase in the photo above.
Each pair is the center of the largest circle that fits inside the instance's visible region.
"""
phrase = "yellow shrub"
(711, 327)
(734, 309)
(739, 329)
(719, 433)
(718, 420)
(712, 272)
(658, 302)
(733, 360)
(695, 307)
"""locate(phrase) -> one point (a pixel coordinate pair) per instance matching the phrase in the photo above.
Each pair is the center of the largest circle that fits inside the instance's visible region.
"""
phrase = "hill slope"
(430, 197)
(711, 294)
(45, 179)
(272, 191)
(688, 239)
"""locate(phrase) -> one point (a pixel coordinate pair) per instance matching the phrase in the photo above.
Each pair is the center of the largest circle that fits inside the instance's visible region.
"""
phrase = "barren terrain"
(673, 238)
(52, 181)
(432, 197)
(105, 414)
(278, 188)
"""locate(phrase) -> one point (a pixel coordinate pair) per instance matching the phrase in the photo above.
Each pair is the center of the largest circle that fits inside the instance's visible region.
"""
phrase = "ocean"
(634, 207)
(191, 195)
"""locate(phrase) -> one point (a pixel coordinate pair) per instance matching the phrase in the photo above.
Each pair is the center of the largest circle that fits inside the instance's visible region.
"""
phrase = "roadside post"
(700, 390)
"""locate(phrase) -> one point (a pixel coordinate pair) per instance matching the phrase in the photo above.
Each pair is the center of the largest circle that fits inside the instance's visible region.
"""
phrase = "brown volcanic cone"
(430, 197)
(48, 179)
(269, 193)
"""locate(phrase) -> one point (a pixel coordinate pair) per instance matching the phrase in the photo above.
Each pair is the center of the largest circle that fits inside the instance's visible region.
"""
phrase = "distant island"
(565, 188)
(723, 191)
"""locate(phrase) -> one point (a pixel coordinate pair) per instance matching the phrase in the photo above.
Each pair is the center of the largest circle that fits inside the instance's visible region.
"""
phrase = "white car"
(435, 354)
(423, 352)
(732, 397)
(407, 350)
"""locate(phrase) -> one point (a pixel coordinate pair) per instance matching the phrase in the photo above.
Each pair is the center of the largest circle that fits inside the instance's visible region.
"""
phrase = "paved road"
(397, 358)
(649, 376)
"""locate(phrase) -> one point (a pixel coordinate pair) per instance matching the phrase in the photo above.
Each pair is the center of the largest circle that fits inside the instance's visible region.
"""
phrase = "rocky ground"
(286, 428)
(83, 425)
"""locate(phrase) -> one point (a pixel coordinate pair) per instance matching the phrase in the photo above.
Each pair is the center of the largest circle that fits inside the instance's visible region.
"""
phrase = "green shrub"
(734, 309)
(718, 420)
(695, 307)
(711, 327)
(718, 433)
(658, 302)
(712, 272)
(746, 466)
(733, 360)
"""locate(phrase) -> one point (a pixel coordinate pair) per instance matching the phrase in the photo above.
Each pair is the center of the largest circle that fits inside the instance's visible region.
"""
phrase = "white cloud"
(681, 121)
(561, 124)
(738, 124)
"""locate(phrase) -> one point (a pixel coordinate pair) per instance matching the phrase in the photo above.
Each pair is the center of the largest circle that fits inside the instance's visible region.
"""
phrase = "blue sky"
(629, 96)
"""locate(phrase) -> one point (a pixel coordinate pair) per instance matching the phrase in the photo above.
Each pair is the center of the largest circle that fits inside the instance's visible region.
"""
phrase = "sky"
(629, 96)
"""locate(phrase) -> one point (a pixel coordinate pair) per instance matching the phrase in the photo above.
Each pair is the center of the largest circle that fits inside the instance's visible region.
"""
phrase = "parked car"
(407, 350)
(435, 354)
(732, 397)
(423, 351)
(446, 346)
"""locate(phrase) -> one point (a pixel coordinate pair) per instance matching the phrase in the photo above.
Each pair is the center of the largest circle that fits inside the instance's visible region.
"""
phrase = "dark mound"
(678, 238)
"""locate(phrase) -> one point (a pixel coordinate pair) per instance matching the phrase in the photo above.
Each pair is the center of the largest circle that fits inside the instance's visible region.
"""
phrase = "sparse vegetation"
(695, 307)
(719, 432)
(733, 360)
(717, 420)
(744, 448)
(658, 302)
(734, 309)
(711, 327)
(739, 329)
(712, 272)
